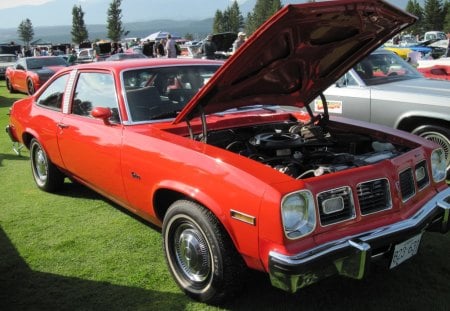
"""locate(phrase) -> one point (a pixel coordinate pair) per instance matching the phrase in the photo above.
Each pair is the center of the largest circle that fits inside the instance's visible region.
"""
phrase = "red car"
(29, 73)
(435, 68)
(230, 161)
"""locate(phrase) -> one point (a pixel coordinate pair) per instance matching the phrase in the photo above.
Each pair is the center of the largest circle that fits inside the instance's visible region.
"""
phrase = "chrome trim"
(425, 167)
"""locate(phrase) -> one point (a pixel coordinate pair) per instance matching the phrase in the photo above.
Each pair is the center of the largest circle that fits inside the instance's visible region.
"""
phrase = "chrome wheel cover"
(192, 253)
(442, 141)
(40, 164)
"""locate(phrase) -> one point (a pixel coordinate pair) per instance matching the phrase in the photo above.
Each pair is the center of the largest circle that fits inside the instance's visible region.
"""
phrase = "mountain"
(140, 17)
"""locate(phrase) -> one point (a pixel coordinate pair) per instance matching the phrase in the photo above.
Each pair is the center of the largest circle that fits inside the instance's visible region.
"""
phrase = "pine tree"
(218, 22)
(414, 8)
(114, 21)
(433, 15)
(261, 12)
(79, 31)
(446, 26)
(26, 31)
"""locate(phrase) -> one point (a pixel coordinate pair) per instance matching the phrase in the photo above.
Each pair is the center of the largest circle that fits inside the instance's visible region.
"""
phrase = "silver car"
(6, 60)
(385, 89)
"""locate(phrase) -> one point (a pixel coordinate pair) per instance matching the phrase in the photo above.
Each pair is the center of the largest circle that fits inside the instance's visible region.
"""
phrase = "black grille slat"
(347, 213)
(406, 181)
(374, 196)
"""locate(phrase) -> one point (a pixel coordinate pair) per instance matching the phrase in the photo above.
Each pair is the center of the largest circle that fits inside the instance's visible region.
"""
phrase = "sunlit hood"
(298, 53)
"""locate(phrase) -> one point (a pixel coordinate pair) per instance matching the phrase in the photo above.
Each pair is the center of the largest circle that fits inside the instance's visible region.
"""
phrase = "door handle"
(62, 125)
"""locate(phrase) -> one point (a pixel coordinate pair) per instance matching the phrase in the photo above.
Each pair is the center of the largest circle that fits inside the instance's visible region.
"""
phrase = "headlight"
(298, 214)
(438, 164)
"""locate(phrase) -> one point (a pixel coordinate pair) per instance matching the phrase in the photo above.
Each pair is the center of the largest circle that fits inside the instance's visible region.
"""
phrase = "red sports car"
(29, 73)
(231, 162)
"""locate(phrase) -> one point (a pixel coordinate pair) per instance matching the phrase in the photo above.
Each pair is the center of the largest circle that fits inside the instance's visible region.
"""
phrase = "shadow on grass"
(21, 288)
(12, 156)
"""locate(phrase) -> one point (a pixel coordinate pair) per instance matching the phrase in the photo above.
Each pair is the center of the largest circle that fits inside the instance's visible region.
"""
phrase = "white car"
(6, 60)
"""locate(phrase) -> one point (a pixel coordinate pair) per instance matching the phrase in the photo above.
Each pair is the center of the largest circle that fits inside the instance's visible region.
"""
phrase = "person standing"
(447, 54)
(171, 49)
(239, 41)
(208, 48)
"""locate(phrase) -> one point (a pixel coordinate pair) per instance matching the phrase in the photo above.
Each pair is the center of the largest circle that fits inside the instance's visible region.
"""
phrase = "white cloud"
(6, 4)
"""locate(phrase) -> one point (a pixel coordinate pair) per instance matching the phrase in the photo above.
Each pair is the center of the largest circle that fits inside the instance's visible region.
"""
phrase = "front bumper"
(351, 256)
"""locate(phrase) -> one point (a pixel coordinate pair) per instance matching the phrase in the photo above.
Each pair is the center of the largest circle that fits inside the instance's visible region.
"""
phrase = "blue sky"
(59, 12)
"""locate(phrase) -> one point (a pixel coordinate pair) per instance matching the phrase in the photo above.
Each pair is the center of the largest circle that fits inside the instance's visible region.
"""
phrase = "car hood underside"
(298, 53)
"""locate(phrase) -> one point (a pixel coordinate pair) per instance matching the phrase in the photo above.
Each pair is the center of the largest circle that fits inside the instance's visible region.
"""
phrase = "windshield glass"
(380, 68)
(8, 58)
(161, 93)
(39, 62)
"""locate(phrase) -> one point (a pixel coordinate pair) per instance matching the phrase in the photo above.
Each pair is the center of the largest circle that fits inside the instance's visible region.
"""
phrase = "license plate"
(405, 250)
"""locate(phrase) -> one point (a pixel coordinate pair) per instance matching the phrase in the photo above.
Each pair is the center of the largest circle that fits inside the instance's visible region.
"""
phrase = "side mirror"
(342, 81)
(102, 113)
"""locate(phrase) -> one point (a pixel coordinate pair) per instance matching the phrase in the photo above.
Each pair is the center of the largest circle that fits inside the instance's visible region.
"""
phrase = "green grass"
(77, 251)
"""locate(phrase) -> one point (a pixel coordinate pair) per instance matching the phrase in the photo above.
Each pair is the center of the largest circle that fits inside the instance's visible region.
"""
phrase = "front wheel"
(9, 86)
(439, 135)
(200, 255)
(30, 87)
(46, 175)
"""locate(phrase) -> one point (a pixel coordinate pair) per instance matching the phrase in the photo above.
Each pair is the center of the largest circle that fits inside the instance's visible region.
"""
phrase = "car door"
(348, 97)
(91, 149)
(20, 76)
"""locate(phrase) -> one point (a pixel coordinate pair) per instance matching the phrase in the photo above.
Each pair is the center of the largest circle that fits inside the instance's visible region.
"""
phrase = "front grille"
(406, 180)
(347, 212)
(374, 196)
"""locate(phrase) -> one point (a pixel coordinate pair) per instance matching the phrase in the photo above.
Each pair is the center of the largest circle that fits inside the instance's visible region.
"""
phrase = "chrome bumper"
(351, 256)
(17, 146)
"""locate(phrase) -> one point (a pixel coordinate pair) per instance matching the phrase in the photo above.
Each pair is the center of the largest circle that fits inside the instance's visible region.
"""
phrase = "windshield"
(161, 93)
(37, 63)
(381, 68)
(8, 58)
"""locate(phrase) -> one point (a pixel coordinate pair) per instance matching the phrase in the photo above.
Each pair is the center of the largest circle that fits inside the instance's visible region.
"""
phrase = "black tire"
(199, 253)
(9, 86)
(30, 87)
(46, 175)
(439, 135)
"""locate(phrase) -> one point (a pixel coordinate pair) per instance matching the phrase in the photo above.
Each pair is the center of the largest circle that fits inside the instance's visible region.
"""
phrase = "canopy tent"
(160, 35)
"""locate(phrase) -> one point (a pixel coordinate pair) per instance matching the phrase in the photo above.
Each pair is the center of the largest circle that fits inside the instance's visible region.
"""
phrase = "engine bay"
(303, 151)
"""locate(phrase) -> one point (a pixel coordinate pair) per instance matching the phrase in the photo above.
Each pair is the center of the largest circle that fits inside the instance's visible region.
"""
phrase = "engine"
(303, 151)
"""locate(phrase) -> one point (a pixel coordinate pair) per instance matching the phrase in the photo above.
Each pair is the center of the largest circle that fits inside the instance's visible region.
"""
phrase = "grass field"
(77, 251)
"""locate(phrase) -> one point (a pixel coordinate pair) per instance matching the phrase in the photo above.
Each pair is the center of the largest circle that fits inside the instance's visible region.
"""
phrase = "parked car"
(435, 68)
(29, 73)
(86, 55)
(6, 60)
(124, 56)
(384, 89)
(224, 159)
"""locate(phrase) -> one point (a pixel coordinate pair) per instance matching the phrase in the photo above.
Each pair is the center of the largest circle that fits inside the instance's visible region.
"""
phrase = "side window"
(95, 89)
(53, 94)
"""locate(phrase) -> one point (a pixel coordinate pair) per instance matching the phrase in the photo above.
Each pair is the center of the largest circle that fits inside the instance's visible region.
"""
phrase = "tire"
(439, 135)
(9, 86)
(46, 175)
(30, 87)
(199, 253)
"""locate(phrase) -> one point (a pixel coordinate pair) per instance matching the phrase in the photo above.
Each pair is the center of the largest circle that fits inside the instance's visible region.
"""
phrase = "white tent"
(160, 35)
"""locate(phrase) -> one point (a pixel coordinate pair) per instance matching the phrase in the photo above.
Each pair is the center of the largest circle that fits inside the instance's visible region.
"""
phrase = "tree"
(114, 21)
(79, 31)
(433, 15)
(261, 12)
(446, 26)
(229, 20)
(218, 22)
(26, 31)
(414, 8)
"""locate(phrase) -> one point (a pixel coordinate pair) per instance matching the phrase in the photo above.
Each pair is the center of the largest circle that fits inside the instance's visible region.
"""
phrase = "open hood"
(298, 53)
